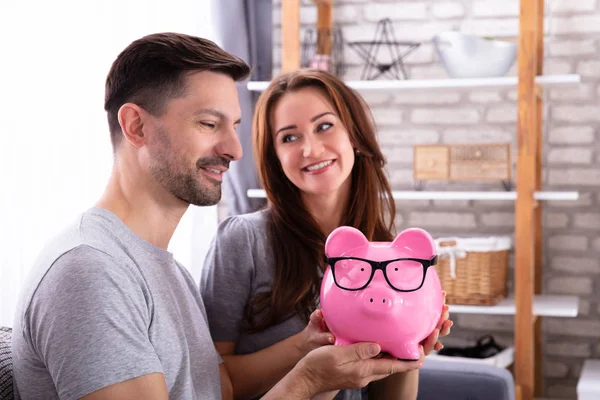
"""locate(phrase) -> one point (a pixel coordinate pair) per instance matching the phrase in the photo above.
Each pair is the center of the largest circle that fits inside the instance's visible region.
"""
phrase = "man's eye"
(209, 125)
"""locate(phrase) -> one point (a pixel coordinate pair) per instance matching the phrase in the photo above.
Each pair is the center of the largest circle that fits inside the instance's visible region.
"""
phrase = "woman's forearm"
(400, 386)
(254, 374)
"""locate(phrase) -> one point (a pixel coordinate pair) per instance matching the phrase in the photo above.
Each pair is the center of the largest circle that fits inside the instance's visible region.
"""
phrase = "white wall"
(55, 154)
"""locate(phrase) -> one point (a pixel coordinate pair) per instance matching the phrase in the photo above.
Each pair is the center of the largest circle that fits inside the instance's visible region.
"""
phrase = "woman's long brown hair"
(294, 236)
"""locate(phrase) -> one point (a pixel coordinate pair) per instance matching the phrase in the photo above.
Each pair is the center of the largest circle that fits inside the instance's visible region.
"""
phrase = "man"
(108, 313)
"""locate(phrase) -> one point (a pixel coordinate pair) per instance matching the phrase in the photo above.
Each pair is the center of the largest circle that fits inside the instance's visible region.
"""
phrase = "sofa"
(6, 384)
(438, 379)
(457, 380)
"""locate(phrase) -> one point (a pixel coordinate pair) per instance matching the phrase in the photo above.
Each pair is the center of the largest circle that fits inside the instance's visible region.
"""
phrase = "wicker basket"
(479, 274)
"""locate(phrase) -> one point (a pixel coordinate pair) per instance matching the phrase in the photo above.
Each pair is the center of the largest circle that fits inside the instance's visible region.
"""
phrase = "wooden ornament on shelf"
(463, 162)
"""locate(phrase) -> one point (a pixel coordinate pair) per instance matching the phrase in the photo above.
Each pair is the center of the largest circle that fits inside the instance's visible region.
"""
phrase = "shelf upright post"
(324, 26)
(290, 35)
(538, 210)
(525, 213)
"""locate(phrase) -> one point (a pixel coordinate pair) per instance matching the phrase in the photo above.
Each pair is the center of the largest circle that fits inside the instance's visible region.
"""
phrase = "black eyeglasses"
(402, 274)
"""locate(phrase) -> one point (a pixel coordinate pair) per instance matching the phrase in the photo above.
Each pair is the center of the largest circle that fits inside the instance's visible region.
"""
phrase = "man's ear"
(131, 119)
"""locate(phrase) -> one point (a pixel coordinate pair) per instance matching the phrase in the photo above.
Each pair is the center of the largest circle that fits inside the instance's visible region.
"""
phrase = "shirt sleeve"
(88, 322)
(227, 276)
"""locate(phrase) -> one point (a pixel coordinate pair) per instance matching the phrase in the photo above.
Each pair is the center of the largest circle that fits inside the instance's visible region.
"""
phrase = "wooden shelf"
(503, 359)
(467, 195)
(588, 386)
(437, 84)
(544, 305)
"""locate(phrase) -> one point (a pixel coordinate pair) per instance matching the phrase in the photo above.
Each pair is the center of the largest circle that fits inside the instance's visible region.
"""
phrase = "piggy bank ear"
(417, 241)
(344, 239)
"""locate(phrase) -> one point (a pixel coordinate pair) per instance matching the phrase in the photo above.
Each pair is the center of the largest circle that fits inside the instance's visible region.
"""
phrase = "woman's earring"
(357, 152)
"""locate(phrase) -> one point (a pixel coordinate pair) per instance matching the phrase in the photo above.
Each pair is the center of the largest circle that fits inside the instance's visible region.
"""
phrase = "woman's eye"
(324, 126)
(289, 138)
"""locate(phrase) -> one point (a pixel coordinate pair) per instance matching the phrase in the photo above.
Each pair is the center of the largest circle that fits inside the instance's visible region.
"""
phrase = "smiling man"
(108, 312)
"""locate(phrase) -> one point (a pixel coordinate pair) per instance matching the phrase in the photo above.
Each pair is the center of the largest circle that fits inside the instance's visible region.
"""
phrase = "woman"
(321, 166)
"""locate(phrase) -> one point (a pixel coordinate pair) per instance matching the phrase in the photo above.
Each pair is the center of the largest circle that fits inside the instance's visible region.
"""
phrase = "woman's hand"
(315, 334)
(443, 329)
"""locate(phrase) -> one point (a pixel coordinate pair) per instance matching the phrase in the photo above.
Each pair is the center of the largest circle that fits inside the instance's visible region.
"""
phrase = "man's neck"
(150, 215)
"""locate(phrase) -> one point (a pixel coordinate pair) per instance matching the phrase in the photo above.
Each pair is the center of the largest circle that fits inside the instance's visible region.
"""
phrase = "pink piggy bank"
(383, 292)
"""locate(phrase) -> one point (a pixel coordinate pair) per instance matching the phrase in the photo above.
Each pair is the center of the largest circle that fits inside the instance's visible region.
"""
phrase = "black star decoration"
(369, 52)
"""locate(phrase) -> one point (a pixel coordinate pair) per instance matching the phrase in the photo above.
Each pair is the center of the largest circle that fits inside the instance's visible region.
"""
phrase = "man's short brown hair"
(152, 70)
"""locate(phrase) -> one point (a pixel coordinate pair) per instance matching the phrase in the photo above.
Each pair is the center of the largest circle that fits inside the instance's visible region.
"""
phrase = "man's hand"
(348, 367)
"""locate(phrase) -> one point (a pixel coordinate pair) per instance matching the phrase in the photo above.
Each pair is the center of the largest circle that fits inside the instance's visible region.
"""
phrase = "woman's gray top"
(240, 264)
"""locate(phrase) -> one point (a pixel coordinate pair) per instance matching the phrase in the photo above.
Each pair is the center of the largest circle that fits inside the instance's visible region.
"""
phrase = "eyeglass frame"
(381, 265)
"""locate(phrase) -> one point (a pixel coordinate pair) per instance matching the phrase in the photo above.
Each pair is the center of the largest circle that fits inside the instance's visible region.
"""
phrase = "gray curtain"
(245, 28)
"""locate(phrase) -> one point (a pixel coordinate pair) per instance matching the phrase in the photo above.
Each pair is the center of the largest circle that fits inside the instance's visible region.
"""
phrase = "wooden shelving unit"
(546, 81)
(466, 195)
(543, 306)
(528, 304)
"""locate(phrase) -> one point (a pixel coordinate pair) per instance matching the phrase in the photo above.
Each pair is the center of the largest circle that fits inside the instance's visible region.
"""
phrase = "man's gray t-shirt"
(240, 263)
(102, 306)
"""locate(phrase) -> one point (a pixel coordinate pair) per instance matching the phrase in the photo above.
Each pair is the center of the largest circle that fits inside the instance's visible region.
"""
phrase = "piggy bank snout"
(377, 300)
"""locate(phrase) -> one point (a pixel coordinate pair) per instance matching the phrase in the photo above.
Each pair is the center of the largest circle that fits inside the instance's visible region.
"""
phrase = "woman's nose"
(313, 146)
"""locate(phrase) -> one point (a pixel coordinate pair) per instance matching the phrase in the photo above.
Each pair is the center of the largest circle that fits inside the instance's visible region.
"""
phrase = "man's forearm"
(292, 387)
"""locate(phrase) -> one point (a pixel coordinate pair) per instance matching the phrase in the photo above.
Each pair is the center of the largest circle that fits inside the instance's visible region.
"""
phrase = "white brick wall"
(575, 177)
(576, 114)
(479, 134)
(575, 25)
(413, 98)
(494, 8)
(572, 134)
(558, 48)
(574, 155)
(555, 220)
(407, 136)
(502, 114)
(576, 265)
(584, 92)
(571, 285)
(568, 242)
(571, 151)
(446, 116)
(484, 97)
(501, 27)
(396, 11)
(571, 6)
(589, 68)
(447, 9)
(566, 349)
(553, 369)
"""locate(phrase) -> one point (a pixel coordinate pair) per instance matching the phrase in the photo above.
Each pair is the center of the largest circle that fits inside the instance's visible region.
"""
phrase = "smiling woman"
(319, 161)
(312, 145)
(55, 138)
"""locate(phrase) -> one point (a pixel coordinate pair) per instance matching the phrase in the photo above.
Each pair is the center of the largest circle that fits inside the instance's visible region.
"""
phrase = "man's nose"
(231, 146)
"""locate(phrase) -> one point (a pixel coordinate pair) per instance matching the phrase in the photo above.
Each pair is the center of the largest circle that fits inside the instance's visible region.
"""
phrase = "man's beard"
(166, 170)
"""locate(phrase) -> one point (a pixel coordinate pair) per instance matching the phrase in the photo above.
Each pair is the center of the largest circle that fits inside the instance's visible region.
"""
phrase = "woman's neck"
(328, 209)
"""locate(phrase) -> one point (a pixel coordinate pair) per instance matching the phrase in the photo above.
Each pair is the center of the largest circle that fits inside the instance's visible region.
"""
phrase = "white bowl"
(468, 56)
